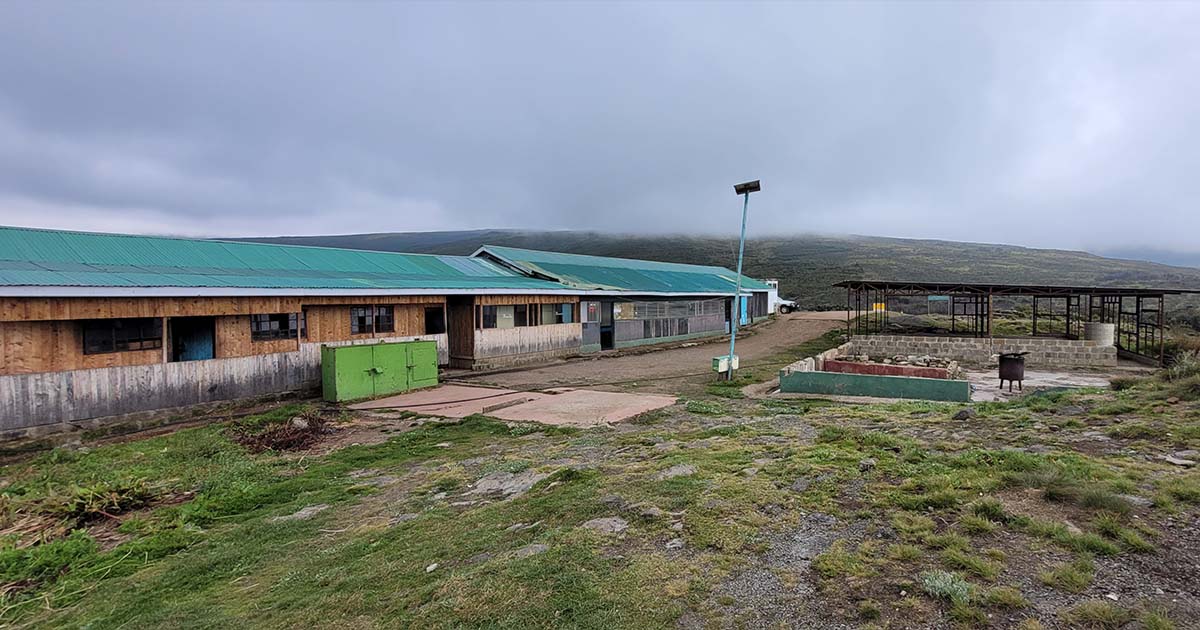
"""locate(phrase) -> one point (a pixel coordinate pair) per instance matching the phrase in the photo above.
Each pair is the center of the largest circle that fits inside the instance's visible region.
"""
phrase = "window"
(274, 326)
(121, 335)
(435, 320)
(505, 316)
(558, 313)
(591, 314)
(385, 319)
(361, 320)
(303, 324)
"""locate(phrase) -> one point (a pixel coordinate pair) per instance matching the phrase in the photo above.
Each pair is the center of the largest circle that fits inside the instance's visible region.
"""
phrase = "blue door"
(745, 318)
(192, 338)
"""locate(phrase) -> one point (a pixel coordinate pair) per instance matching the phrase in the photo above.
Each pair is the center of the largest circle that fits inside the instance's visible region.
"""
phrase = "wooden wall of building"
(40, 309)
(332, 323)
(29, 347)
(233, 339)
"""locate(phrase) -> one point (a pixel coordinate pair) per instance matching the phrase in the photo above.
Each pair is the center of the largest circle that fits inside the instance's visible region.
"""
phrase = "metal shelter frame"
(1139, 313)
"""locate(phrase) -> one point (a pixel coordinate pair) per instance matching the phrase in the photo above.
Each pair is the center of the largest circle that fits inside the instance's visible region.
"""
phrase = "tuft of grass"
(948, 540)
(982, 567)
(1122, 383)
(946, 585)
(869, 610)
(1101, 499)
(1005, 597)
(1096, 613)
(1185, 365)
(838, 562)
(1073, 577)
(703, 408)
(1110, 526)
(1155, 619)
(991, 509)
(1030, 624)
(1136, 431)
(973, 524)
(904, 552)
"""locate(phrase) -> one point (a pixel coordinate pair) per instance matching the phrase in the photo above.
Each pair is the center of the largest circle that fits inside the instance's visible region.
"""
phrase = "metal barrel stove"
(1012, 368)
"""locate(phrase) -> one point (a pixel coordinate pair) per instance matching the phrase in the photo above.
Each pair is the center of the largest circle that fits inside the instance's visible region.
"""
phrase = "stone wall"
(1043, 352)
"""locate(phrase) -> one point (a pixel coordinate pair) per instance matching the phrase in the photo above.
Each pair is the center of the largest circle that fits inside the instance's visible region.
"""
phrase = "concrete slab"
(451, 401)
(560, 406)
(986, 385)
(584, 408)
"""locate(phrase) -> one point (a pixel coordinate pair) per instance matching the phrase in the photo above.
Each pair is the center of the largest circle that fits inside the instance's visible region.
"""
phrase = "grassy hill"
(807, 265)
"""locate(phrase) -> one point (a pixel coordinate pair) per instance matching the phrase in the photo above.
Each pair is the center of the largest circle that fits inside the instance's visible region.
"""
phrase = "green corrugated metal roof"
(624, 274)
(34, 257)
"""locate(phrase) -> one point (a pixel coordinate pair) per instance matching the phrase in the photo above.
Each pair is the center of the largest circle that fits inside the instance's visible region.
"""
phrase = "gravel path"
(759, 342)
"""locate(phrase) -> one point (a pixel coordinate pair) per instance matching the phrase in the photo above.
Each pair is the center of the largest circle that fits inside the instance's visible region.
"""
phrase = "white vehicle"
(787, 306)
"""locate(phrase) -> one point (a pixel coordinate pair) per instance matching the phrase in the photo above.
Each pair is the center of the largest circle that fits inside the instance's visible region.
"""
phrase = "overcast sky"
(1068, 125)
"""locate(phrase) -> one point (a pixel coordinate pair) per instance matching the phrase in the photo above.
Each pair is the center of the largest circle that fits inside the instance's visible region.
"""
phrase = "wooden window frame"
(274, 326)
(150, 335)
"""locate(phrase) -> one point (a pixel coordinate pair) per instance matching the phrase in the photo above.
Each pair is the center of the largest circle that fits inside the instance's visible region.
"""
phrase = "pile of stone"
(922, 360)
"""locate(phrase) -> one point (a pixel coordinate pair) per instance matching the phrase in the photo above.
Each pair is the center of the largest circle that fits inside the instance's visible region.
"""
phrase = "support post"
(737, 293)
(989, 314)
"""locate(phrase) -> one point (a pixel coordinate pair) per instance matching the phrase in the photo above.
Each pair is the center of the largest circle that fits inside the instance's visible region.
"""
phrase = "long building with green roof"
(96, 325)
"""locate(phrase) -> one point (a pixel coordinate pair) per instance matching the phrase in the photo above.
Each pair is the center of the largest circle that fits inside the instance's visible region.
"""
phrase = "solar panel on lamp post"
(743, 189)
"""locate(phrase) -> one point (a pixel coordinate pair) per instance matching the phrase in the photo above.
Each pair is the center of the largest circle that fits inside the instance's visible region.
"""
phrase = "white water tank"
(1103, 334)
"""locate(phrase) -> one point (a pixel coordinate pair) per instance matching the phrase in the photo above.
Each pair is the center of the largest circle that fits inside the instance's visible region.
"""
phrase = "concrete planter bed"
(827, 374)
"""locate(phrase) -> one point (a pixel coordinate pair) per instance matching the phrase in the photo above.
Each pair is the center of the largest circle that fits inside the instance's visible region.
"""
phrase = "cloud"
(1069, 125)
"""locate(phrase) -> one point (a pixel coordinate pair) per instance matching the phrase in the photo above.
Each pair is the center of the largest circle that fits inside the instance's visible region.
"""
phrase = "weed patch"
(1073, 577)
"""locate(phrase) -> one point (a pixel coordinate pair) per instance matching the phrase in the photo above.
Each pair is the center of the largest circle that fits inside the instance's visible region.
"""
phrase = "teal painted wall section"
(838, 384)
(591, 347)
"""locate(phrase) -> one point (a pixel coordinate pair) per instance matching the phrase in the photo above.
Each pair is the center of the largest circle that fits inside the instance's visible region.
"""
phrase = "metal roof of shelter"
(622, 274)
(899, 288)
(53, 258)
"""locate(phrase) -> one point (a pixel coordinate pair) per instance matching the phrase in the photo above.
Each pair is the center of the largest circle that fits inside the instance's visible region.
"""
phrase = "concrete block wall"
(1043, 352)
(816, 362)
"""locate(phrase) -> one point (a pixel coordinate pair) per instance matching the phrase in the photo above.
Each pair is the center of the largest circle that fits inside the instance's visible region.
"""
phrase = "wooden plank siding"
(53, 342)
(43, 309)
(233, 339)
(27, 347)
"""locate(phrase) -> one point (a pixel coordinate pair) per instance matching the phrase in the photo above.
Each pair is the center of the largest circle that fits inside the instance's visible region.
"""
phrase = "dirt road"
(754, 345)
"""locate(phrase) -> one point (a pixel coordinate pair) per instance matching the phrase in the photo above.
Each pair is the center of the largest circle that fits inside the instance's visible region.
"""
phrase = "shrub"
(1184, 365)
(946, 585)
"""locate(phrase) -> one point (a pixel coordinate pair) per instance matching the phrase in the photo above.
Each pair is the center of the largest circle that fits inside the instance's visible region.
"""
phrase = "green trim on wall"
(590, 347)
(835, 383)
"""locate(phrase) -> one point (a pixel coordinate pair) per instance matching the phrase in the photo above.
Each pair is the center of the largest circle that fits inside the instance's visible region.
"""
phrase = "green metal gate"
(366, 371)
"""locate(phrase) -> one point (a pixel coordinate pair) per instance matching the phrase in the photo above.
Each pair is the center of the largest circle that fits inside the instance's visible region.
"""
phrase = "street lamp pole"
(744, 190)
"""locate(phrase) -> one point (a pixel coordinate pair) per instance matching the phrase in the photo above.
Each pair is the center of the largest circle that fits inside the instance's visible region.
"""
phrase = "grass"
(198, 545)
(1073, 577)
(958, 559)
(1096, 613)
